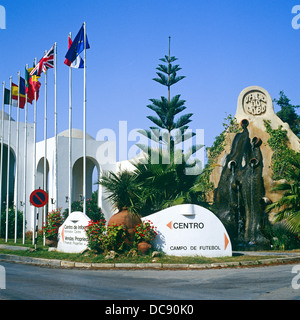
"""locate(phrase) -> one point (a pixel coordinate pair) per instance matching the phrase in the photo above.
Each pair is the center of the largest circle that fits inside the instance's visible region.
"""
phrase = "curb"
(141, 266)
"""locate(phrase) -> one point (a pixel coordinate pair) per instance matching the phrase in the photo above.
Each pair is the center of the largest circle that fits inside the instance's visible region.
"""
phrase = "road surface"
(26, 282)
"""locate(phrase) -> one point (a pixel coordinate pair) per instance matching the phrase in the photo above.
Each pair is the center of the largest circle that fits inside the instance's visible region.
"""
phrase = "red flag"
(32, 86)
(68, 62)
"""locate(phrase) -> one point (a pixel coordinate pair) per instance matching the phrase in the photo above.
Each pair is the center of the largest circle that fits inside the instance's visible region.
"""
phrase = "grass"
(28, 243)
(91, 257)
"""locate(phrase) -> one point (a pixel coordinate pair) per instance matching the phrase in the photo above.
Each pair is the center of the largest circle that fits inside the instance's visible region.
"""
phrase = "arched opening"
(95, 176)
(92, 173)
(41, 185)
(40, 175)
(12, 168)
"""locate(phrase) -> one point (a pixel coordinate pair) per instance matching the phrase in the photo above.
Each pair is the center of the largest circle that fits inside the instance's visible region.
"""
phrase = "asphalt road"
(25, 282)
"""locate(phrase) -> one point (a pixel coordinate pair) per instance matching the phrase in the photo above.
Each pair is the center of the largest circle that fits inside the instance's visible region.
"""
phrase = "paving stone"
(67, 264)
(103, 265)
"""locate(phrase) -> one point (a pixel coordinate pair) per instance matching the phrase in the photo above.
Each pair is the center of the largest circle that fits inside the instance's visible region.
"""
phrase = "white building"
(98, 158)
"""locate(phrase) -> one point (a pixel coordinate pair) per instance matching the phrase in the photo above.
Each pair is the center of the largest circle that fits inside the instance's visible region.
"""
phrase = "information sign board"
(72, 237)
(190, 230)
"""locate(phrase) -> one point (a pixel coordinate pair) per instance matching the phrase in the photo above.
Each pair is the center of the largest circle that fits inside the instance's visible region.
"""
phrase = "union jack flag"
(47, 62)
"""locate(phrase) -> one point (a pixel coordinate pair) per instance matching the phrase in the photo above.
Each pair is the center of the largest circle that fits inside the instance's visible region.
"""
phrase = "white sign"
(72, 237)
(190, 230)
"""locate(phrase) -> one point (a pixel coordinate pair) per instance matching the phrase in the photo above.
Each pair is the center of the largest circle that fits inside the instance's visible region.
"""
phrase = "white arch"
(40, 174)
(77, 177)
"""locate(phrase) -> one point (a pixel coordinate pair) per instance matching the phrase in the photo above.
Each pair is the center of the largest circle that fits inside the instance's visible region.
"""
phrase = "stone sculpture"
(243, 174)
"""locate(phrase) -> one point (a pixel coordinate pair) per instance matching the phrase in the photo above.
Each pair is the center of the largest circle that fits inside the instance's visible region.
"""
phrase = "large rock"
(243, 171)
(255, 105)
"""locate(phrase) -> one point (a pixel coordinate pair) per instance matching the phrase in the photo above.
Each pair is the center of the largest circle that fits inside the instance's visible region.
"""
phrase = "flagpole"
(84, 124)
(17, 160)
(34, 161)
(45, 151)
(8, 163)
(2, 148)
(25, 164)
(70, 136)
(55, 124)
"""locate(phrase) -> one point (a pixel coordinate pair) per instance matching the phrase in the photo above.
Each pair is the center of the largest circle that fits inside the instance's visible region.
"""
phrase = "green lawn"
(91, 257)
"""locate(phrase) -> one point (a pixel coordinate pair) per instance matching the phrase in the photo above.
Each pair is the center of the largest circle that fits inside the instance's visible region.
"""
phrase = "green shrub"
(144, 231)
(92, 209)
(281, 238)
(278, 142)
(29, 236)
(54, 221)
(116, 238)
(95, 233)
(11, 223)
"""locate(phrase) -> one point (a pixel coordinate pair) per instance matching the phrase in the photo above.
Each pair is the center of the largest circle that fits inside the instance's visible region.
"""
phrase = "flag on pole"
(22, 88)
(47, 62)
(28, 88)
(6, 96)
(78, 62)
(15, 94)
(32, 85)
(77, 46)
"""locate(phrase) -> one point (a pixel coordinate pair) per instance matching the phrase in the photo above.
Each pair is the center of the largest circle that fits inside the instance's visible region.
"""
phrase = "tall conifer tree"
(168, 175)
(169, 130)
(163, 180)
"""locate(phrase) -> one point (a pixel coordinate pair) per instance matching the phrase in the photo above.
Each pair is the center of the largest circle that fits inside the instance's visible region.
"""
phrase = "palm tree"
(122, 189)
(289, 205)
(162, 185)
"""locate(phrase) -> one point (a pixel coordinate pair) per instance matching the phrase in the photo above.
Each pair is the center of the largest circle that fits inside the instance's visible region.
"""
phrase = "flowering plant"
(144, 231)
(53, 222)
(95, 231)
(116, 238)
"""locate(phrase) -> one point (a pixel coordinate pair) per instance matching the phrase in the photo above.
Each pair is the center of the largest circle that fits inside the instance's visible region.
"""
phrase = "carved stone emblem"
(255, 103)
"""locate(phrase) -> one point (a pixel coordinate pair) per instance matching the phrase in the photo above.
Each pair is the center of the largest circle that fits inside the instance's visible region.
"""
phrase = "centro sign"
(182, 225)
(190, 230)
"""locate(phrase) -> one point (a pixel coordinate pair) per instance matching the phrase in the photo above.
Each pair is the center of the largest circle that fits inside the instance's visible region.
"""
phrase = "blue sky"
(222, 47)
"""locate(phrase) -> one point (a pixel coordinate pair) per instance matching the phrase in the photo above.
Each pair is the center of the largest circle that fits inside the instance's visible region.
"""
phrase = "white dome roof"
(76, 133)
(6, 116)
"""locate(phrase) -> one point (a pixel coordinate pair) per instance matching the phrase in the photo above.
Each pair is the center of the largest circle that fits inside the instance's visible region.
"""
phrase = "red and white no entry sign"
(39, 198)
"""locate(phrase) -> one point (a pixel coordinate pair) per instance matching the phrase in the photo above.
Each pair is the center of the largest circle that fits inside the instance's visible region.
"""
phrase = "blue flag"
(22, 86)
(77, 46)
